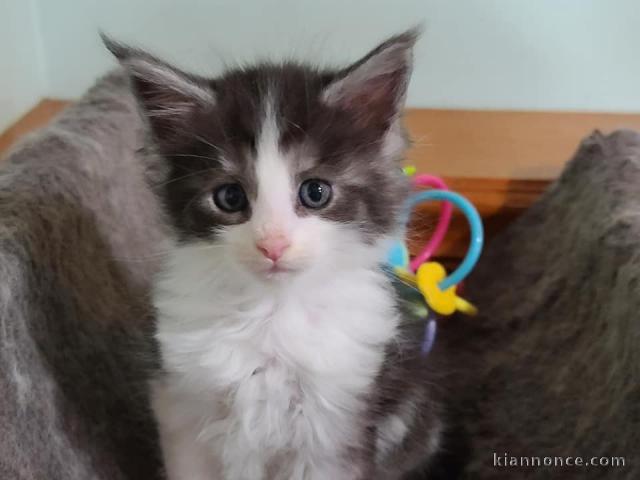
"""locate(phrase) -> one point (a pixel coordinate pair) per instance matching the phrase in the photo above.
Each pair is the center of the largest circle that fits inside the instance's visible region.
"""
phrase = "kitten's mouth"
(273, 270)
(276, 269)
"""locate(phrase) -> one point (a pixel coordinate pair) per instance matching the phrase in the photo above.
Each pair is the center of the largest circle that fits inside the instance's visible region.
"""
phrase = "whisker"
(164, 253)
(294, 124)
(177, 179)
(188, 155)
(208, 143)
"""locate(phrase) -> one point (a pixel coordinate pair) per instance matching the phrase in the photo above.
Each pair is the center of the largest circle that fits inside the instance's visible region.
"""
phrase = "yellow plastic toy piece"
(426, 280)
(466, 307)
(443, 302)
(409, 170)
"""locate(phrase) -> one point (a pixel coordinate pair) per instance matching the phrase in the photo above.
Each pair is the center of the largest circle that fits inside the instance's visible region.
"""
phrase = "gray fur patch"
(77, 248)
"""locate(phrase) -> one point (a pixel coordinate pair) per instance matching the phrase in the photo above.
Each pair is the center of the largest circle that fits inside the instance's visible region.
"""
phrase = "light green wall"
(22, 80)
(497, 54)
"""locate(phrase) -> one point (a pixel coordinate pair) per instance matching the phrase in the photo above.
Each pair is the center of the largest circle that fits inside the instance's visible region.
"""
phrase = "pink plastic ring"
(446, 210)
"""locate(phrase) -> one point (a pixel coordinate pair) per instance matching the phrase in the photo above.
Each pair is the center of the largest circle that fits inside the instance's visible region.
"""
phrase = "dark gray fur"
(550, 367)
(553, 362)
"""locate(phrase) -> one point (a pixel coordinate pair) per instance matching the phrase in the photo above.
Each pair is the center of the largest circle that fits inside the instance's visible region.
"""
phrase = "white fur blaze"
(274, 208)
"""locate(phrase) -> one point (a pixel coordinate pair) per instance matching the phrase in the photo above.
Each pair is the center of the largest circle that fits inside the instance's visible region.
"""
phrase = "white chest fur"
(266, 382)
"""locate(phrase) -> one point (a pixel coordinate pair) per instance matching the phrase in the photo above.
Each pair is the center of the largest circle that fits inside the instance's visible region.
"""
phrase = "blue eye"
(315, 193)
(230, 198)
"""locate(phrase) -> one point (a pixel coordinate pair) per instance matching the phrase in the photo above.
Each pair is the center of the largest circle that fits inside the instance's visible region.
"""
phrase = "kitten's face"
(286, 169)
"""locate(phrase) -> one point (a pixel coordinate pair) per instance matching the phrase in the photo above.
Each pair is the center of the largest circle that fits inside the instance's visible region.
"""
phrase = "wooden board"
(38, 116)
(502, 144)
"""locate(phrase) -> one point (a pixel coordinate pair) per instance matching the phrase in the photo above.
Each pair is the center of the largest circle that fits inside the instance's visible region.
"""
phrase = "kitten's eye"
(315, 193)
(230, 198)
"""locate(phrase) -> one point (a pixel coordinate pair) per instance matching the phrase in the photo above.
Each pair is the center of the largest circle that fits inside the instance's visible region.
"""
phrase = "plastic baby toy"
(430, 291)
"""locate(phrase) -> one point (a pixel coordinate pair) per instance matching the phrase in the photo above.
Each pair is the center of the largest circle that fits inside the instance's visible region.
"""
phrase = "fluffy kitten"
(283, 347)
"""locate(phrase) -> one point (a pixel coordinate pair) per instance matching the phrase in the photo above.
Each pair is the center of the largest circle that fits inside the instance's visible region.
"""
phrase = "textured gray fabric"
(78, 231)
(554, 359)
(549, 368)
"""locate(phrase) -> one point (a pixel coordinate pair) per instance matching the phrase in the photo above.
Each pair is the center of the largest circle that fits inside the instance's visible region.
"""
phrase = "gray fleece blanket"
(550, 368)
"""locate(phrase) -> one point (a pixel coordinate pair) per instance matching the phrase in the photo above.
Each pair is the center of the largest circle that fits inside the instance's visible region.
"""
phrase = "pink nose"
(273, 247)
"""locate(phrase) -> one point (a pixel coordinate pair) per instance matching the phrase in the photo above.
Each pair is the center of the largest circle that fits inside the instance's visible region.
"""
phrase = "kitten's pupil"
(315, 193)
(230, 198)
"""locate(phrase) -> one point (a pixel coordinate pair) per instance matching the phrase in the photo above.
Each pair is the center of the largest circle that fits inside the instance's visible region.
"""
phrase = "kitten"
(283, 347)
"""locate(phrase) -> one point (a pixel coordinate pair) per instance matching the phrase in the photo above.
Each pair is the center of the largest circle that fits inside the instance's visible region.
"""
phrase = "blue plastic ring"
(475, 224)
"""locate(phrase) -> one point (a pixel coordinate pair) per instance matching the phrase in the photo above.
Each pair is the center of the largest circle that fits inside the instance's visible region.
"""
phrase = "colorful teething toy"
(436, 292)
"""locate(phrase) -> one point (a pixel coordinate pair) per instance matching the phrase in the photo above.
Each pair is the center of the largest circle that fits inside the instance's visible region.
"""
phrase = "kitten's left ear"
(168, 96)
(374, 88)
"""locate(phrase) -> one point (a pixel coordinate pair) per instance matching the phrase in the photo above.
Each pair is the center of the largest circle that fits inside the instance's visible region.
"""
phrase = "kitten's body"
(269, 379)
(276, 322)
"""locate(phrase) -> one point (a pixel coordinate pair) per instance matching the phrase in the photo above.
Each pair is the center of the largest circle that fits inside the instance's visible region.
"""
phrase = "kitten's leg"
(185, 456)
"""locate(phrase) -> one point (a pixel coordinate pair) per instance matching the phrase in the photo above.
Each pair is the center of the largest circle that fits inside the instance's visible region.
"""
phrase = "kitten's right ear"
(169, 97)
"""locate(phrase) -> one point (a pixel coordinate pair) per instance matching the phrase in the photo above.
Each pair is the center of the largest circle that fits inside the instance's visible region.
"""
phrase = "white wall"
(22, 81)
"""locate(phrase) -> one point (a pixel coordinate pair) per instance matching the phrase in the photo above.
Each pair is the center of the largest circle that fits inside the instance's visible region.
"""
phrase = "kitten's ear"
(169, 97)
(374, 88)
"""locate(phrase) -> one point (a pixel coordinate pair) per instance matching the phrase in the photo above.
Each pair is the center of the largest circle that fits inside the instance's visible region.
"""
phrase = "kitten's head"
(285, 167)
